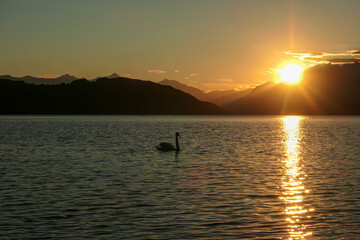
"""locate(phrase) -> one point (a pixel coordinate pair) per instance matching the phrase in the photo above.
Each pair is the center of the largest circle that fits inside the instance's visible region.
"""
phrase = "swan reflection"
(293, 189)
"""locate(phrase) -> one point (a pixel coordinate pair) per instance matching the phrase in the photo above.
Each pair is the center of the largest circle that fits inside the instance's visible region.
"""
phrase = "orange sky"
(205, 43)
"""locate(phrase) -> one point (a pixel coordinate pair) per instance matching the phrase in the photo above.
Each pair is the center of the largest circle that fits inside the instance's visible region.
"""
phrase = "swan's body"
(164, 146)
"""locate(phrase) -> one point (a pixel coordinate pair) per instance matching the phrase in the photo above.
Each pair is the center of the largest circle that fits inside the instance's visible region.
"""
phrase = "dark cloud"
(305, 53)
(323, 57)
(343, 60)
(313, 59)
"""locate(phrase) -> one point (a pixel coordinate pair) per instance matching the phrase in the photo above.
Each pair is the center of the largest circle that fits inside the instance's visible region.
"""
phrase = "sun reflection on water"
(293, 190)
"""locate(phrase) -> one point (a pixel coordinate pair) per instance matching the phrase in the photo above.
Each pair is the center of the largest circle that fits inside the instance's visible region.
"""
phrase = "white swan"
(164, 146)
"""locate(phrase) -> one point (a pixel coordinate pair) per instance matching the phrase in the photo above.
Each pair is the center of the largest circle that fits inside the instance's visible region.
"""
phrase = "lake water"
(81, 177)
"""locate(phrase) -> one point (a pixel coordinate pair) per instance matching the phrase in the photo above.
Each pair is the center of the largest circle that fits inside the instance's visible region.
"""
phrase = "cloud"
(303, 53)
(343, 60)
(311, 59)
(191, 75)
(325, 57)
(126, 75)
(156, 71)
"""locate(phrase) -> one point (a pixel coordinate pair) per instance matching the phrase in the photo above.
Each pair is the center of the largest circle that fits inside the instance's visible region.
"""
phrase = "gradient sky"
(205, 43)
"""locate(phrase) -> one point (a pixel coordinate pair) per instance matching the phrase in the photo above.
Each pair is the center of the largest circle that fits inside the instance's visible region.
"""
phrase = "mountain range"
(219, 98)
(66, 78)
(325, 89)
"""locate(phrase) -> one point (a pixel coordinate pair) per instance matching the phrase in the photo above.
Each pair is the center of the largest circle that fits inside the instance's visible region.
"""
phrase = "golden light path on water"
(293, 189)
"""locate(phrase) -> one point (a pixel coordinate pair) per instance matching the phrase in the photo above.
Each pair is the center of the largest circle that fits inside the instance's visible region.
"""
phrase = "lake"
(266, 177)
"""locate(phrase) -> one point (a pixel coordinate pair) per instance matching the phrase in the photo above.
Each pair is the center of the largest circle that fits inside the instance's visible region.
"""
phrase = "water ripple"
(235, 178)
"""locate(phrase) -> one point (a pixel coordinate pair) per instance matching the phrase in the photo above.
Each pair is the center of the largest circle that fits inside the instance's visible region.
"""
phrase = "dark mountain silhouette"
(185, 88)
(104, 96)
(325, 90)
(66, 78)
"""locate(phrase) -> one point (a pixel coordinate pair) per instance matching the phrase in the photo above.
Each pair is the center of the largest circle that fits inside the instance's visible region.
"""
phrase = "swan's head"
(177, 134)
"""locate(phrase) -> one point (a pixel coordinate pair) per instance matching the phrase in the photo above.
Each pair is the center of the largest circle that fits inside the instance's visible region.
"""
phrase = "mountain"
(221, 98)
(261, 89)
(36, 80)
(113, 75)
(9, 77)
(185, 88)
(103, 96)
(271, 99)
(325, 90)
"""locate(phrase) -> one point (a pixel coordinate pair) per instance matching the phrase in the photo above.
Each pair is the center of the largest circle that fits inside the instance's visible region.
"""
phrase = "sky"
(210, 44)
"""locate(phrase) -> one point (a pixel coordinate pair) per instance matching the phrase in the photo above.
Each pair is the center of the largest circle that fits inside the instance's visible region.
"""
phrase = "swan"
(164, 146)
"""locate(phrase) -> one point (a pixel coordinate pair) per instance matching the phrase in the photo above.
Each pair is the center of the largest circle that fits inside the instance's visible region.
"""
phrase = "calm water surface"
(235, 178)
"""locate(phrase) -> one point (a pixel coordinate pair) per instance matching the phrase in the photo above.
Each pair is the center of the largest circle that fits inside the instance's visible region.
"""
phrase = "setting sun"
(291, 73)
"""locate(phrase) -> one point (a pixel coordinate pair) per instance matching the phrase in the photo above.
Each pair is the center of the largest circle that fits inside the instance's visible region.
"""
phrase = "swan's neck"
(177, 144)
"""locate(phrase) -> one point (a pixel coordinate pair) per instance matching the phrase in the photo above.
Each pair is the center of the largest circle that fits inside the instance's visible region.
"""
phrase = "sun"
(291, 73)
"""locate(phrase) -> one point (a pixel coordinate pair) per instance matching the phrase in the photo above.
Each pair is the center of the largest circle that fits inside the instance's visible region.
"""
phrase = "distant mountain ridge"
(219, 98)
(185, 88)
(66, 78)
(113, 75)
(222, 98)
